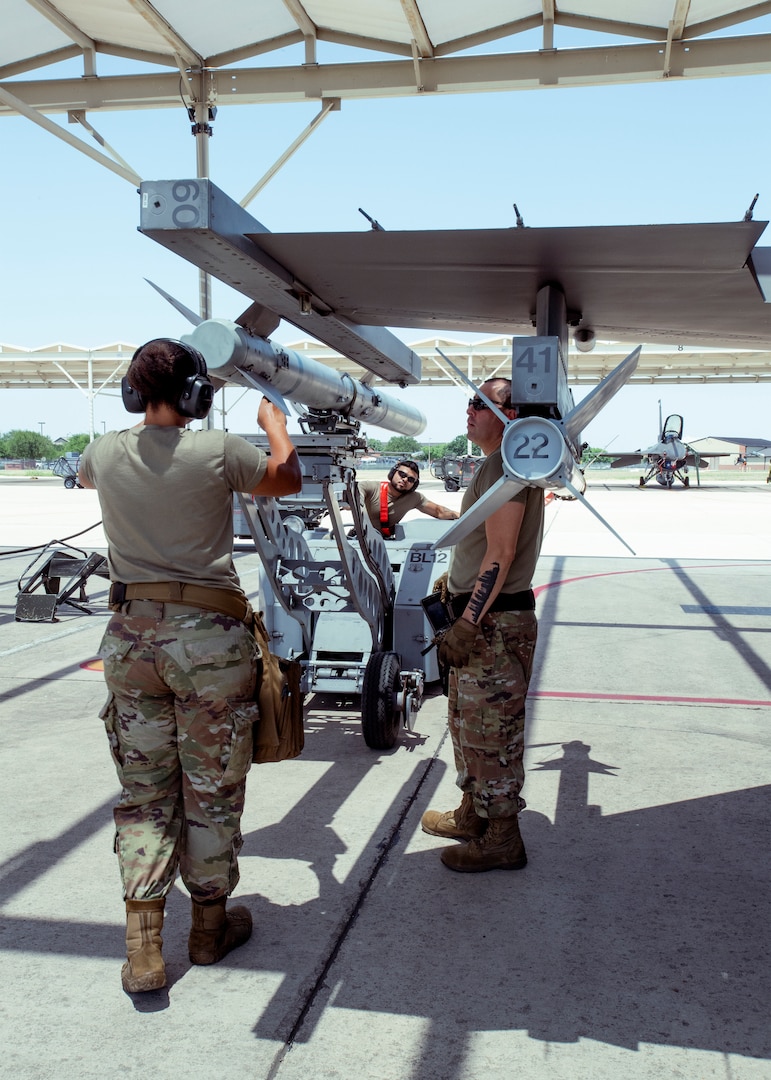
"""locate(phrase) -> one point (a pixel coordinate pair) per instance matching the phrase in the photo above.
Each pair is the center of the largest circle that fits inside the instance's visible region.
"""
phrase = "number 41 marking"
(534, 360)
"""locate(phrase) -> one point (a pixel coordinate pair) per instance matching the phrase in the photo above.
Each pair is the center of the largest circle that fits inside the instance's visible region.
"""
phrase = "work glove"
(453, 647)
(440, 586)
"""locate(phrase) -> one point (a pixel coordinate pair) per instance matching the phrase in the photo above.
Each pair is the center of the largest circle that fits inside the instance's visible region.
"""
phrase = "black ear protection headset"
(406, 465)
(197, 393)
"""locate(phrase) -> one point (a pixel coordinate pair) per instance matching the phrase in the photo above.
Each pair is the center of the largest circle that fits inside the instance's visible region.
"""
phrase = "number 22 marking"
(538, 446)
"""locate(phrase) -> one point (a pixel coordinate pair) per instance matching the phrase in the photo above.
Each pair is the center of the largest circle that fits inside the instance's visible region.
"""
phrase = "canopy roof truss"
(95, 371)
(53, 61)
(60, 367)
(270, 52)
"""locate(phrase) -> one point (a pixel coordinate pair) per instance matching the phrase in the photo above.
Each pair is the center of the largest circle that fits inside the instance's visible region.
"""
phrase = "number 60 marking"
(186, 214)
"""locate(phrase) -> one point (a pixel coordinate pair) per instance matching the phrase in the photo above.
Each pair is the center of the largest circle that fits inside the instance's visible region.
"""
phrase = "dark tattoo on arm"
(484, 586)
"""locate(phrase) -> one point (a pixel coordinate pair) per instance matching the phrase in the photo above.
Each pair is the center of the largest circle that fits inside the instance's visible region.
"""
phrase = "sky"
(73, 264)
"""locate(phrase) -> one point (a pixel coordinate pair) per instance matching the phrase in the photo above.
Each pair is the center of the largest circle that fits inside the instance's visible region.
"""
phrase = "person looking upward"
(179, 657)
(489, 651)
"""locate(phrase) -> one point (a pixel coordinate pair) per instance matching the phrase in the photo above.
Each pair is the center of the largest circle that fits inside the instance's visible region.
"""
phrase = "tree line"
(33, 446)
(406, 446)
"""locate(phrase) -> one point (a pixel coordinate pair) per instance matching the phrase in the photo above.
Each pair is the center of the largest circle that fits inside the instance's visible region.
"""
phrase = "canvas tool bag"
(278, 734)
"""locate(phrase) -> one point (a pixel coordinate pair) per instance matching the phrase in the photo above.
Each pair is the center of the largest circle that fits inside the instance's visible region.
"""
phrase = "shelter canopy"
(58, 367)
(243, 52)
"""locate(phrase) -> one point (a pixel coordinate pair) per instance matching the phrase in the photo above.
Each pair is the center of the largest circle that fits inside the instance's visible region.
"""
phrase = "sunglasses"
(478, 405)
(406, 476)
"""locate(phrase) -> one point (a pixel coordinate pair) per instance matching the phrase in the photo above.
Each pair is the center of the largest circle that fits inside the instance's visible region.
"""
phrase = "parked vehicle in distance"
(67, 468)
(455, 472)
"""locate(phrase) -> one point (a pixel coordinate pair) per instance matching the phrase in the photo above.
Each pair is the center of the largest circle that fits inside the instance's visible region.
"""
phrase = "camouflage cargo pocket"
(223, 664)
(113, 652)
(519, 640)
(237, 756)
(109, 715)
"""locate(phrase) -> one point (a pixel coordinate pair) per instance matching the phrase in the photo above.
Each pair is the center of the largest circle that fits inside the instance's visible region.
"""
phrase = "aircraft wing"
(696, 283)
(702, 460)
(625, 461)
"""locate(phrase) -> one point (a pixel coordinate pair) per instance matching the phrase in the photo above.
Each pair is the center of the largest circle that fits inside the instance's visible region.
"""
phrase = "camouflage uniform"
(179, 722)
(486, 712)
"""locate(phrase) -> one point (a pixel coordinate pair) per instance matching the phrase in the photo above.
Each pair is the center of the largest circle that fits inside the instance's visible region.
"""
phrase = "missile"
(234, 356)
(538, 452)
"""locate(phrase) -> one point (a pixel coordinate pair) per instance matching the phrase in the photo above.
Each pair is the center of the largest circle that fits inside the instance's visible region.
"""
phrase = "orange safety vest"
(385, 528)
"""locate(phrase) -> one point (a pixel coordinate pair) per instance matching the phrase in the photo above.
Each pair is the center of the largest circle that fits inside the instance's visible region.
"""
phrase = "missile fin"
(177, 304)
(258, 320)
(491, 404)
(269, 391)
(492, 500)
(578, 495)
(578, 418)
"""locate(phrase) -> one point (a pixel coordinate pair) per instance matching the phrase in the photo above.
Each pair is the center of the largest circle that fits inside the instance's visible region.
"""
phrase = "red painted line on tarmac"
(569, 695)
(97, 665)
(641, 570)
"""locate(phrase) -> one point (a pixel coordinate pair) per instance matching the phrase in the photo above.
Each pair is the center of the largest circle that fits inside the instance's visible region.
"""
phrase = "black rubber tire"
(452, 485)
(69, 483)
(380, 722)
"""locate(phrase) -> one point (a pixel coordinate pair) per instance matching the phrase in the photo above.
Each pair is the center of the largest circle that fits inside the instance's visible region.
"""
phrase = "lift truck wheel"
(69, 482)
(642, 481)
(380, 721)
(451, 485)
(687, 482)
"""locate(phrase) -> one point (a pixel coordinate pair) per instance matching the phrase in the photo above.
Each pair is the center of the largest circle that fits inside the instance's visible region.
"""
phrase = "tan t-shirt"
(397, 508)
(467, 555)
(166, 495)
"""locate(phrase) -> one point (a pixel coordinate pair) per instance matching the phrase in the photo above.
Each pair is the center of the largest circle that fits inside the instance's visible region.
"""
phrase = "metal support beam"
(326, 108)
(560, 68)
(86, 43)
(178, 44)
(17, 105)
(551, 315)
(420, 35)
(80, 118)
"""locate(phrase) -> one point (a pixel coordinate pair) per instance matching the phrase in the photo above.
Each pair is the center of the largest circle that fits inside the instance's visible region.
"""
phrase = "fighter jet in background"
(667, 459)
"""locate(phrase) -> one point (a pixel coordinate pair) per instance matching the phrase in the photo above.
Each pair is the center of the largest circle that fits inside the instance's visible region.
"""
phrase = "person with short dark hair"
(489, 651)
(179, 656)
(387, 501)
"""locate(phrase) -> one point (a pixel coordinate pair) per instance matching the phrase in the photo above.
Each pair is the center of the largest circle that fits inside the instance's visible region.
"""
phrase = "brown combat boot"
(144, 968)
(499, 848)
(461, 824)
(216, 931)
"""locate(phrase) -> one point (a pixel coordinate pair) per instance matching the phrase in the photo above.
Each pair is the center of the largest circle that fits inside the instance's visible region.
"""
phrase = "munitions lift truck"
(338, 596)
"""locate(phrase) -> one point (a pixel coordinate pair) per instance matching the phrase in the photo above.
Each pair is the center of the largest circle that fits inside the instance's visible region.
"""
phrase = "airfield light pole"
(202, 115)
(42, 424)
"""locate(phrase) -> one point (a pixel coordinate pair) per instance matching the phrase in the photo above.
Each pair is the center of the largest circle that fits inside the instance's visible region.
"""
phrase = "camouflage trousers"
(179, 723)
(486, 712)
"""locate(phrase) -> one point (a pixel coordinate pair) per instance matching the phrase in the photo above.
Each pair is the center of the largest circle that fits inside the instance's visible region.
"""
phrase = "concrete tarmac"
(635, 942)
